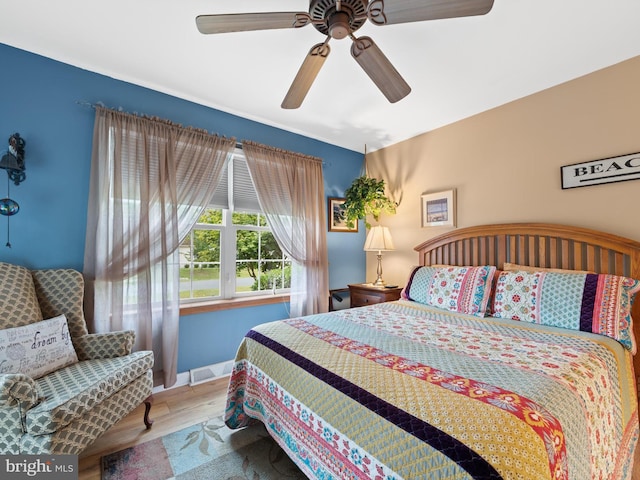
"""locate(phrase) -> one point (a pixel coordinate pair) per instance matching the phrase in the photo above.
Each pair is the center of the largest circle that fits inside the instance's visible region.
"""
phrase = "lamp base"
(379, 282)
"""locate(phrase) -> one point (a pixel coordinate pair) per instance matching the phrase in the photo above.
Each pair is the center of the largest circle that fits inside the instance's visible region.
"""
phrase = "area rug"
(206, 451)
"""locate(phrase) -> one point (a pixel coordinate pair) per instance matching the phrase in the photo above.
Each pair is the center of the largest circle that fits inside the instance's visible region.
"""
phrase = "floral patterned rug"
(206, 451)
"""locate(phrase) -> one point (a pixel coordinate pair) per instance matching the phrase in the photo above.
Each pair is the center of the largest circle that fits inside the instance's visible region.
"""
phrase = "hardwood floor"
(173, 410)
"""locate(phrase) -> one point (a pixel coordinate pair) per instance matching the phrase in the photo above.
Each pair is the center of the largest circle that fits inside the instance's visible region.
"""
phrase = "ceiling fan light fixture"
(339, 25)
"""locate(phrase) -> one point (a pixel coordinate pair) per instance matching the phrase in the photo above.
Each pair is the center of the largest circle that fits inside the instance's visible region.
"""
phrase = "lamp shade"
(378, 239)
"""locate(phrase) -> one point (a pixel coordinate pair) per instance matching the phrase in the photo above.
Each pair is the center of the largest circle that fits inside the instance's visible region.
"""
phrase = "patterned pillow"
(37, 349)
(577, 301)
(458, 289)
(461, 289)
(418, 284)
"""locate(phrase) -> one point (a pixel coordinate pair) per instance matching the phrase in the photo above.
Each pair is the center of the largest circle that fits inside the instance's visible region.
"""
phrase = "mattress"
(401, 390)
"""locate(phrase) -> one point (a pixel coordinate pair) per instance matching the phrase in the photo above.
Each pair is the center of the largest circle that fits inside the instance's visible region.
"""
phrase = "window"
(231, 251)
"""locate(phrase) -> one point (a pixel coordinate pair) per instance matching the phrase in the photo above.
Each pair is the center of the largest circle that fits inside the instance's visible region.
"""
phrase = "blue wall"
(45, 101)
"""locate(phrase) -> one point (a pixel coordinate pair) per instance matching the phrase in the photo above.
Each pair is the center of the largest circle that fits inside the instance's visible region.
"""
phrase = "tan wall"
(505, 164)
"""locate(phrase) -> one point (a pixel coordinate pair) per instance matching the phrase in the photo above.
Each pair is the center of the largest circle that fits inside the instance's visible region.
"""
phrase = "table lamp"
(379, 239)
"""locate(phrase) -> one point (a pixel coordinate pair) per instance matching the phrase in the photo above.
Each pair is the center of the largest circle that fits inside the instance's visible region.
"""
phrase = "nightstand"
(366, 294)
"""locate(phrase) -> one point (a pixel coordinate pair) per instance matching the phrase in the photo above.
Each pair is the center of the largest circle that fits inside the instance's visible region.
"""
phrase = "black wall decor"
(13, 162)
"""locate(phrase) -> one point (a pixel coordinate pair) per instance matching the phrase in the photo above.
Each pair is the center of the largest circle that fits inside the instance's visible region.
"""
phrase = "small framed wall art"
(439, 209)
(335, 212)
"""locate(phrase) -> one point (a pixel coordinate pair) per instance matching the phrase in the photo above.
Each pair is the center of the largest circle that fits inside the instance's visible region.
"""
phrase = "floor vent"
(227, 368)
(210, 372)
(200, 375)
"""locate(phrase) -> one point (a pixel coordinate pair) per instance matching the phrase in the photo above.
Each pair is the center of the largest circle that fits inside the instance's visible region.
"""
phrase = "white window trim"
(228, 250)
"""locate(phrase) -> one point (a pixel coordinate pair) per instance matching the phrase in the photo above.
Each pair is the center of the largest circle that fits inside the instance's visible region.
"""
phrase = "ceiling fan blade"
(388, 12)
(306, 75)
(379, 69)
(243, 22)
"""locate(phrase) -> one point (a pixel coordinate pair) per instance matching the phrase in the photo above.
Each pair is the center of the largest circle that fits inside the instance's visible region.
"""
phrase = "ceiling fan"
(339, 19)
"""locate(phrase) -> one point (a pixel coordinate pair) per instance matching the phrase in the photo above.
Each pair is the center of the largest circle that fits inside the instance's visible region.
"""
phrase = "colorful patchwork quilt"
(401, 390)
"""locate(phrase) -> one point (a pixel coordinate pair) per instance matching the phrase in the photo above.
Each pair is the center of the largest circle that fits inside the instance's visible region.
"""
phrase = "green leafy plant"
(365, 197)
(273, 279)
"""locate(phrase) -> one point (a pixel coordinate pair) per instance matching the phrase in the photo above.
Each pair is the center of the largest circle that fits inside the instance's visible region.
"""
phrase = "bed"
(510, 355)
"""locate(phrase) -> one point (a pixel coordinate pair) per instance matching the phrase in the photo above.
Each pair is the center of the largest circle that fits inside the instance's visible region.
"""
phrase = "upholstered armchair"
(61, 387)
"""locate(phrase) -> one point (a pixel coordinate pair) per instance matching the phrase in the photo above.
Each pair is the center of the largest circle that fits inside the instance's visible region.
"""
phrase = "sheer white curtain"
(290, 190)
(150, 181)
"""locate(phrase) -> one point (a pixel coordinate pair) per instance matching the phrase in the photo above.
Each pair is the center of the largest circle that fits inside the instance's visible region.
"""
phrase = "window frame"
(228, 261)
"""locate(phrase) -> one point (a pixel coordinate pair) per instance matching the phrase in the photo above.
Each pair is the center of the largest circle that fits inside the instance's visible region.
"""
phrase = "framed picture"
(597, 172)
(439, 209)
(337, 221)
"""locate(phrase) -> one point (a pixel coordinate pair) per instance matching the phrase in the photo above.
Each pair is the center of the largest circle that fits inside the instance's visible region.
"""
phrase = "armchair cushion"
(71, 392)
(18, 301)
(37, 349)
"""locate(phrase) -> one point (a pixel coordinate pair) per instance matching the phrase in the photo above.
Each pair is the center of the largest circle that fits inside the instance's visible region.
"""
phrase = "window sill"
(242, 302)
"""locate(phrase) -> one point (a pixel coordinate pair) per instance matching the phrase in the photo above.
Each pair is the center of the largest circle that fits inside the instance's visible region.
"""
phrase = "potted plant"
(365, 197)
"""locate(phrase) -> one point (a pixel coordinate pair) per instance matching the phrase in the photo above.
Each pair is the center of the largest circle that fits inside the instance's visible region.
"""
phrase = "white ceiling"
(456, 67)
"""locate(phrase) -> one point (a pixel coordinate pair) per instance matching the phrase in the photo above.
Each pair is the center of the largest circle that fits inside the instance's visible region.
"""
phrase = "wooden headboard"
(538, 245)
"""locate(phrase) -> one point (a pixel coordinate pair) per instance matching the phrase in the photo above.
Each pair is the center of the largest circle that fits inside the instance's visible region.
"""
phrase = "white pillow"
(38, 348)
